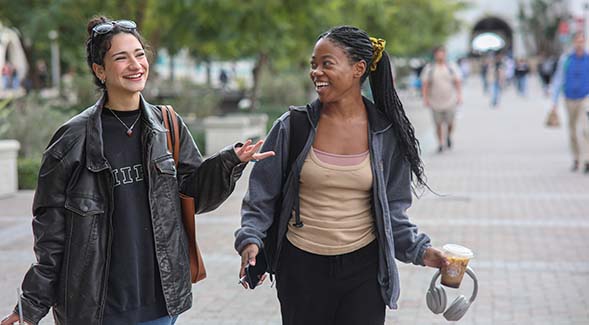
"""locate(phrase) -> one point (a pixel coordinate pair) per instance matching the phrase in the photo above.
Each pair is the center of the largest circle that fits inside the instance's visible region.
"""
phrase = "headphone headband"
(470, 273)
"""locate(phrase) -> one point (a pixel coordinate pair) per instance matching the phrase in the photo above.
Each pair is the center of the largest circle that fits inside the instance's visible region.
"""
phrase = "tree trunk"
(208, 72)
(172, 76)
(31, 79)
(256, 73)
(140, 12)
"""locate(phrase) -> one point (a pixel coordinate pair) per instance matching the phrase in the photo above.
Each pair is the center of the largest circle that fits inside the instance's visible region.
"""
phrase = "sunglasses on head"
(104, 28)
(107, 27)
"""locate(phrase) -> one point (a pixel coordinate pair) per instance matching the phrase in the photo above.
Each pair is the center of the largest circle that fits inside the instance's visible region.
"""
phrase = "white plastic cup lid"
(458, 250)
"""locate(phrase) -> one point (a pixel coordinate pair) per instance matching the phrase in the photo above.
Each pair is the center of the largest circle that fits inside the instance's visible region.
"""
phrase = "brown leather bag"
(197, 265)
(552, 120)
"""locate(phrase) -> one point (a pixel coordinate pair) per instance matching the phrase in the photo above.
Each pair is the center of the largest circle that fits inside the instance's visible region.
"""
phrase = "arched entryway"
(483, 32)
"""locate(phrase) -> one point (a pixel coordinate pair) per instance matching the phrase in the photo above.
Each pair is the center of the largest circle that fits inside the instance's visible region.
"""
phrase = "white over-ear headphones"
(436, 298)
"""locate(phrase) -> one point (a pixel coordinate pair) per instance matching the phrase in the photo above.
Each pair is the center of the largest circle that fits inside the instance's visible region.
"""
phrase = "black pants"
(323, 290)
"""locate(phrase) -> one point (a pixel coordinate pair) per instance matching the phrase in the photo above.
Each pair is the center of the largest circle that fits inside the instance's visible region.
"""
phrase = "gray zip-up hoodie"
(391, 196)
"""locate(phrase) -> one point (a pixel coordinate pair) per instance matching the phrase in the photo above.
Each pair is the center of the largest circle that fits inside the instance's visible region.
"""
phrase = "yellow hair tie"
(378, 45)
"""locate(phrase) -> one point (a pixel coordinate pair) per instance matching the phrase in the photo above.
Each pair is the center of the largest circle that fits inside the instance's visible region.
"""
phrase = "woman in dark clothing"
(109, 239)
(521, 76)
(546, 69)
(339, 215)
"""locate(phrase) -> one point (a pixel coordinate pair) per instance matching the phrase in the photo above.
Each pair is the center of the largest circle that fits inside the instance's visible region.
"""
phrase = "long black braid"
(358, 47)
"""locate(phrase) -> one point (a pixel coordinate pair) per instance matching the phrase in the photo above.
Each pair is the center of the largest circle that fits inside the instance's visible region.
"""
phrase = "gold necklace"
(129, 129)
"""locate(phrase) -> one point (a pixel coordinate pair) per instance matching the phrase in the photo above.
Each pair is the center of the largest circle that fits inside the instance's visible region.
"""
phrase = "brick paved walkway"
(506, 192)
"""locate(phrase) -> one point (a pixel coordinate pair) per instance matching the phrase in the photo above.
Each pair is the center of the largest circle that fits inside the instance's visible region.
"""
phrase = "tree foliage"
(277, 32)
(539, 21)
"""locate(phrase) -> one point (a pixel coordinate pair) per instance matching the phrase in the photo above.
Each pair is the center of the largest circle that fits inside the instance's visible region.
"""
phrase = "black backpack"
(299, 132)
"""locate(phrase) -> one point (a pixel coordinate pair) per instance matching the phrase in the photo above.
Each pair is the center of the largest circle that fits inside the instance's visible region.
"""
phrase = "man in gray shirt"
(442, 94)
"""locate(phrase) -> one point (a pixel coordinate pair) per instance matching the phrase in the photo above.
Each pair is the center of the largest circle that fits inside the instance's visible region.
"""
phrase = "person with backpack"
(109, 240)
(521, 76)
(546, 68)
(328, 212)
(497, 78)
(485, 62)
(572, 78)
(442, 93)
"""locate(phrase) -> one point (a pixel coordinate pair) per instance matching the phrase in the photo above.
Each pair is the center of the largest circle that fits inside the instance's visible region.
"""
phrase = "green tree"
(265, 30)
(34, 18)
(274, 33)
(278, 31)
(539, 21)
(410, 27)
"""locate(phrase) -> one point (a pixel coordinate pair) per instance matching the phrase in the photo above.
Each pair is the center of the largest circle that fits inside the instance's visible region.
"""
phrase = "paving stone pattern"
(504, 190)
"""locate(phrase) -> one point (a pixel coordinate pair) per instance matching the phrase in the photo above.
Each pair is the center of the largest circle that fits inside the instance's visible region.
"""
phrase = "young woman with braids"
(341, 211)
(109, 240)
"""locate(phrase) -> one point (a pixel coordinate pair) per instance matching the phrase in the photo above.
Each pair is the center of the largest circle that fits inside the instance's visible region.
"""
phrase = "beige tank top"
(334, 205)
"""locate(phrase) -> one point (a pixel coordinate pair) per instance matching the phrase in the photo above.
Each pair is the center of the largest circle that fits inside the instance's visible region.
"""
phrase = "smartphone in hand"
(253, 273)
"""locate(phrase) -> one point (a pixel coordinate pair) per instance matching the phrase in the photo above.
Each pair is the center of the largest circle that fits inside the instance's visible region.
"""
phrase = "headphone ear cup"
(457, 309)
(436, 299)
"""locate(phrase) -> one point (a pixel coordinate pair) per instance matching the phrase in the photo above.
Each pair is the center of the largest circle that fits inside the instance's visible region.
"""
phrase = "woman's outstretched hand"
(11, 319)
(434, 257)
(249, 151)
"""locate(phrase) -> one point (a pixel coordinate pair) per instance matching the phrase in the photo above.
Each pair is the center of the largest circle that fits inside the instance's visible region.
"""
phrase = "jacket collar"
(95, 160)
(377, 121)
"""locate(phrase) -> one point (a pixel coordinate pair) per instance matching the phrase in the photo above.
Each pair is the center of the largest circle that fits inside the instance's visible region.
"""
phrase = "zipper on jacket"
(148, 175)
(100, 312)
(378, 177)
(377, 201)
(67, 270)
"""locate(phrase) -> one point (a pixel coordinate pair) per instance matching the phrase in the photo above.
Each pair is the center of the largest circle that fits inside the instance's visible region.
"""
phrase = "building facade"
(501, 17)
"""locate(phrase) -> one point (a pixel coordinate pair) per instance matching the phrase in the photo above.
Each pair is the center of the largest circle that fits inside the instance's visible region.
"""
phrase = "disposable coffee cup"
(458, 256)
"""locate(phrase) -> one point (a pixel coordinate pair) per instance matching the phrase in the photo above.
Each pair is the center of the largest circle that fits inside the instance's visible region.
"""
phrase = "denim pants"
(166, 320)
(495, 94)
(522, 85)
(485, 82)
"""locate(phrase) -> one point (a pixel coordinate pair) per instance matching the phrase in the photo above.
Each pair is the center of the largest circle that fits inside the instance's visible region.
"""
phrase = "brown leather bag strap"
(169, 116)
(167, 125)
(176, 129)
(197, 266)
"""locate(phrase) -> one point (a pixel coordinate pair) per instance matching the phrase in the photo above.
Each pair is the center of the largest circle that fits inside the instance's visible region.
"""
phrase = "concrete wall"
(8, 167)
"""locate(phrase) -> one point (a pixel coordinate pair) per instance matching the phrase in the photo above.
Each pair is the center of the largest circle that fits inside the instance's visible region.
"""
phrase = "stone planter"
(8, 167)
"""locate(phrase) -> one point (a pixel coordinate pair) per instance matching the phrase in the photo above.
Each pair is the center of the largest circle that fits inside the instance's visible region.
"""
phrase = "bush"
(80, 92)
(28, 171)
(285, 88)
(200, 139)
(279, 91)
(31, 121)
(274, 111)
(190, 100)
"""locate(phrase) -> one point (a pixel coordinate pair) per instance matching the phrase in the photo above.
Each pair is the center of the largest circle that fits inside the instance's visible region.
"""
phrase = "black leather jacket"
(73, 208)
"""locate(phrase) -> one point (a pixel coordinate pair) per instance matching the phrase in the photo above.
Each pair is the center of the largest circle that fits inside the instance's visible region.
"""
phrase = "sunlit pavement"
(505, 191)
